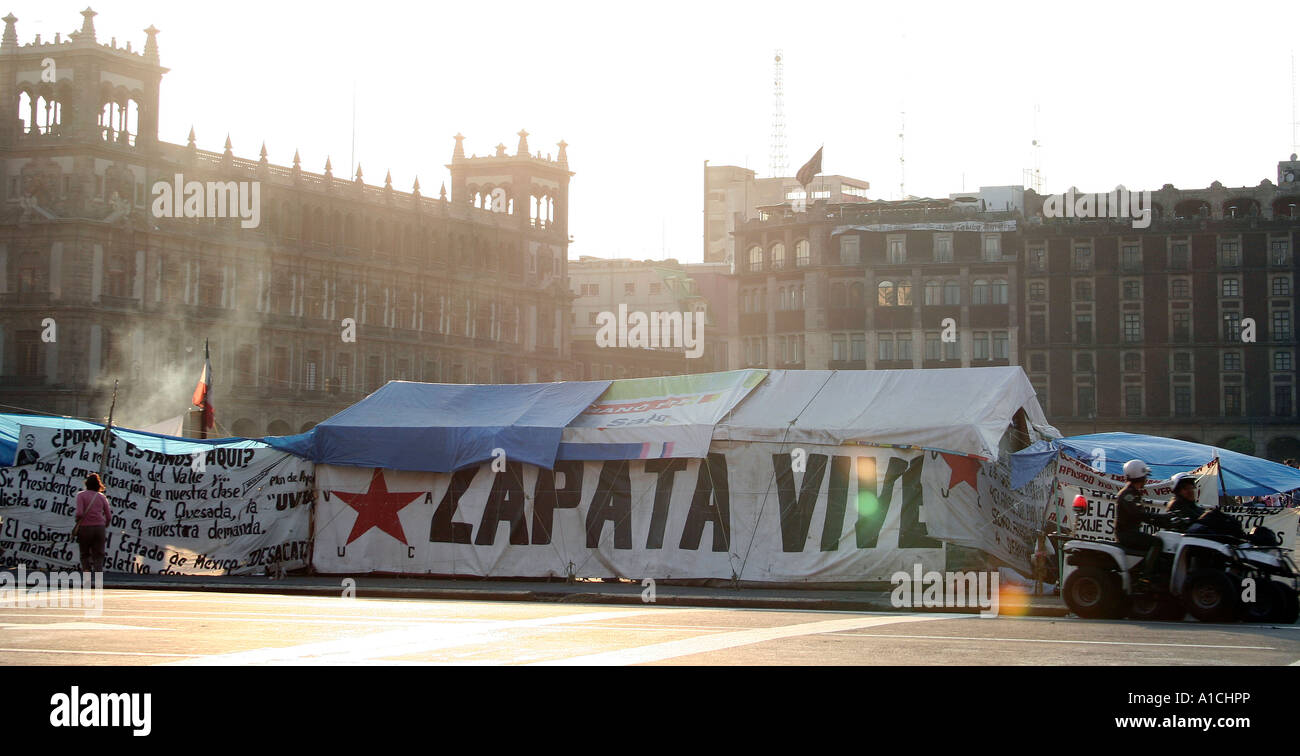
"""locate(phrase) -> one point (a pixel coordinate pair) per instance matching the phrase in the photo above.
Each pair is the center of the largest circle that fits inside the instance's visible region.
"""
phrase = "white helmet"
(1178, 479)
(1136, 468)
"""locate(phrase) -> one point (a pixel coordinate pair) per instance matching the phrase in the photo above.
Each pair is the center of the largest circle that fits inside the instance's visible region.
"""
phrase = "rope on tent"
(772, 480)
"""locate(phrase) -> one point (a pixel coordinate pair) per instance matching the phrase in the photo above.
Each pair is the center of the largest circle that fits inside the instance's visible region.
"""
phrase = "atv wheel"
(1212, 596)
(1094, 593)
(1288, 608)
(1155, 607)
(1269, 602)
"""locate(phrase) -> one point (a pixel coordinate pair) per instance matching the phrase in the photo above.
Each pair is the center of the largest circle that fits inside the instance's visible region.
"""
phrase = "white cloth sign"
(227, 510)
(1077, 478)
(753, 511)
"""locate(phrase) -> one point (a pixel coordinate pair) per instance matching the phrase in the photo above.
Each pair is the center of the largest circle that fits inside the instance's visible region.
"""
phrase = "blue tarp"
(10, 425)
(1243, 475)
(439, 427)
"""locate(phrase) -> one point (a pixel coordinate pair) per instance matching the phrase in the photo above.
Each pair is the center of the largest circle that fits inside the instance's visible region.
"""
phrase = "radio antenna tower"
(778, 164)
(902, 175)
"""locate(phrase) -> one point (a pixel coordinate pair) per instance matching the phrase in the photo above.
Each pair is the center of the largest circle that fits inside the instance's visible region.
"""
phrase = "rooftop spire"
(415, 188)
(263, 155)
(388, 180)
(296, 162)
(228, 153)
(11, 32)
(522, 149)
(191, 142)
(563, 157)
(151, 44)
(87, 33)
(459, 152)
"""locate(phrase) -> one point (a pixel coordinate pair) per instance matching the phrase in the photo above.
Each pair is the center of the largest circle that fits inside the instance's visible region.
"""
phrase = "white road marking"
(720, 641)
(88, 653)
(1045, 640)
(74, 626)
(396, 642)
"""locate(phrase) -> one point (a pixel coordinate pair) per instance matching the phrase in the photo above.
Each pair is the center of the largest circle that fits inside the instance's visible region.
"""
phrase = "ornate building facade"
(340, 287)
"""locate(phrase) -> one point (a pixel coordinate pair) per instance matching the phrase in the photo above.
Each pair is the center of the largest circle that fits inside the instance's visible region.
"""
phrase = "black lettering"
(612, 501)
(873, 505)
(546, 499)
(796, 513)
(666, 470)
(836, 499)
(711, 503)
(442, 529)
(505, 502)
(912, 533)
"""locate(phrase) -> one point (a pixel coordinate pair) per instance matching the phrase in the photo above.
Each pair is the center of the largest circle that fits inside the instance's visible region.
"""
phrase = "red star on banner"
(965, 469)
(377, 508)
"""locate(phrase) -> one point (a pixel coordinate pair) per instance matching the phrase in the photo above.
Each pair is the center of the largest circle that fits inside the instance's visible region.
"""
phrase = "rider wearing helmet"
(1129, 516)
(1183, 504)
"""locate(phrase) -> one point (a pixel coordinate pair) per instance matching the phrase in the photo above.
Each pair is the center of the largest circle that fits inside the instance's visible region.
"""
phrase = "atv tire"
(1155, 607)
(1269, 604)
(1212, 596)
(1094, 593)
(1288, 609)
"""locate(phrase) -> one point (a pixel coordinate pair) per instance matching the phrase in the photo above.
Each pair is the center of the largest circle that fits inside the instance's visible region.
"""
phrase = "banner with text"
(223, 510)
(752, 511)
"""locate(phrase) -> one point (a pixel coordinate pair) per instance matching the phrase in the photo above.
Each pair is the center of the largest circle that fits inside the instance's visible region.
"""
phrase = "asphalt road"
(171, 627)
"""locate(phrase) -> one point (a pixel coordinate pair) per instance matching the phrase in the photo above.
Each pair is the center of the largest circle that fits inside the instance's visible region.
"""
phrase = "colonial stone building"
(340, 286)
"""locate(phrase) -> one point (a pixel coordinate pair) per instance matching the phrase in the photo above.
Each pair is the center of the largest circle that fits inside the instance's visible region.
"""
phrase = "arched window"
(905, 293)
(755, 259)
(951, 292)
(933, 293)
(782, 302)
(885, 294)
(801, 253)
(999, 291)
(838, 295)
(760, 300)
(778, 256)
(856, 294)
(979, 292)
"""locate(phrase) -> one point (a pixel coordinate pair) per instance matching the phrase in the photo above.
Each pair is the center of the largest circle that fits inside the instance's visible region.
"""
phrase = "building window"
(1232, 361)
(1083, 259)
(1132, 289)
(1232, 400)
(904, 341)
(1038, 362)
(885, 347)
(1132, 361)
(801, 253)
(1182, 362)
(629, 288)
(943, 247)
(28, 345)
(1282, 361)
(656, 288)
(1282, 286)
(1037, 329)
(932, 348)
(755, 259)
(952, 349)
(1001, 345)
(838, 347)
(1037, 260)
(1279, 252)
(885, 295)
(980, 344)
(858, 347)
(1132, 327)
(1231, 326)
(992, 247)
(1087, 400)
(905, 293)
(1182, 400)
(1229, 254)
(951, 293)
(778, 256)
(1182, 326)
(1083, 362)
(1133, 400)
(933, 292)
(1083, 291)
(1037, 292)
(1083, 328)
(1282, 400)
(1178, 256)
(1231, 287)
(980, 294)
(999, 291)
(1281, 325)
(850, 253)
(1130, 259)
(1180, 288)
(897, 251)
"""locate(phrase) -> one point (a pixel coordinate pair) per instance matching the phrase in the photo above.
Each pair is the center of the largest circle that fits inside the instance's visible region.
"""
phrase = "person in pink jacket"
(93, 515)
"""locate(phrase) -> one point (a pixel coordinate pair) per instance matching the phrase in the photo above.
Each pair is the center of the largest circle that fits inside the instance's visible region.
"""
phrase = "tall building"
(339, 287)
(733, 195)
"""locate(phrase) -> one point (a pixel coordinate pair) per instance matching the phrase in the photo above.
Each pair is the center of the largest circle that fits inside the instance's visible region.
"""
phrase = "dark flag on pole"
(810, 169)
(203, 390)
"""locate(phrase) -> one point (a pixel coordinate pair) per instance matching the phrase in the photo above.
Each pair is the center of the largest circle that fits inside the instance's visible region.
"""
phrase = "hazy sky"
(1140, 94)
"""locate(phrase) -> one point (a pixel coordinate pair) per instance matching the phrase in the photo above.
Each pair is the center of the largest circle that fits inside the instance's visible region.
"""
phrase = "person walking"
(91, 529)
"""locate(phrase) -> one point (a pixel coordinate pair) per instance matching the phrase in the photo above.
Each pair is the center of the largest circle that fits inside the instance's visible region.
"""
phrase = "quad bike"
(1204, 573)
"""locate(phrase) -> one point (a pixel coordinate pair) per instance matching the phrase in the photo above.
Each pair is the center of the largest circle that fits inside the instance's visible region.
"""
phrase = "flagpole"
(108, 433)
